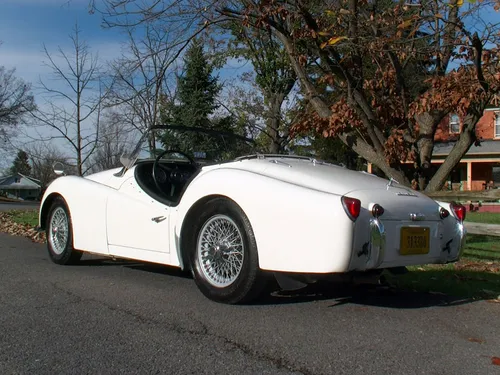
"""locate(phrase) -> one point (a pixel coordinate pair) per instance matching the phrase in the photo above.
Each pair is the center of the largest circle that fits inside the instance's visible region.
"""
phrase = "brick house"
(479, 169)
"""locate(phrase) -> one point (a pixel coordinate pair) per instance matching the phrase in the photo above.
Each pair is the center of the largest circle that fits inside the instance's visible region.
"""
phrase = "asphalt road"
(111, 317)
(7, 206)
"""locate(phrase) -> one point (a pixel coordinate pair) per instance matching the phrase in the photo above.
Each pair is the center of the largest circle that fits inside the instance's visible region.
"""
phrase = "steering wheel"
(166, 170)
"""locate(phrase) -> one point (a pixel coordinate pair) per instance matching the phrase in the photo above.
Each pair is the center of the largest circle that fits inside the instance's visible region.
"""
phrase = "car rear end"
(400, 227)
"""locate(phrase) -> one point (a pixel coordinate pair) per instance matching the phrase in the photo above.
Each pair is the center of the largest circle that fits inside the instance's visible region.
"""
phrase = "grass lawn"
(484, 248)
(29, 217)
(476, 275)
(483, 217)
(450, 280)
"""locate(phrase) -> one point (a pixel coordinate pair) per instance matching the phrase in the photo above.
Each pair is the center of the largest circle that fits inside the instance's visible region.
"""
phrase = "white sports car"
(232, 224)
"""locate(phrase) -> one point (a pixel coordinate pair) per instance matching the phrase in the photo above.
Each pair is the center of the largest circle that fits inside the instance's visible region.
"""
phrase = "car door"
(137, 225)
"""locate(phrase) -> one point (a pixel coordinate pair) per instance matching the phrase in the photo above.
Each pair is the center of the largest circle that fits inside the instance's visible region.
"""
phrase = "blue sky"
(25, 25)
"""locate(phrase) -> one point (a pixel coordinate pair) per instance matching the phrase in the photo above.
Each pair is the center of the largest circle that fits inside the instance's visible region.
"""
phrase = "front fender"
(297, 229)
(86, 202)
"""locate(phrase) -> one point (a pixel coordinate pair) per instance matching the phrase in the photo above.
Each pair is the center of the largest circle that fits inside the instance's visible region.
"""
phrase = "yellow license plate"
(414, 240)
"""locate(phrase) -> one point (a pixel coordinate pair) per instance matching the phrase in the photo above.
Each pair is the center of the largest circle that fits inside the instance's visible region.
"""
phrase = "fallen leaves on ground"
(7, 225)
(465, 265)
(495, 361)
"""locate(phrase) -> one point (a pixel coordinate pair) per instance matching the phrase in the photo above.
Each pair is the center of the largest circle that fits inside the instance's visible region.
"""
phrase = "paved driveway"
(111, 317)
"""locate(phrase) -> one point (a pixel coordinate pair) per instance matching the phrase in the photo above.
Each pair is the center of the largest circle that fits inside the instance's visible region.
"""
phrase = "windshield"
(204, 145)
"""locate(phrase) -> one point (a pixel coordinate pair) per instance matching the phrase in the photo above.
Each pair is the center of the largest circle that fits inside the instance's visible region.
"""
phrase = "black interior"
(172, 184)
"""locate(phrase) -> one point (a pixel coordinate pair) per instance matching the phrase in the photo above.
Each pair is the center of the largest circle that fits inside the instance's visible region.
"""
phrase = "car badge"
(416, 216)
(406, 194)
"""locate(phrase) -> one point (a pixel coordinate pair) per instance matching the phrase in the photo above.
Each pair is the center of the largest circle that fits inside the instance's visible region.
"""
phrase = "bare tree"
(274, 78)
(113, 141)
(43, 156)
(140, 76)
(268, 124)
(16, 101)
(72, 109)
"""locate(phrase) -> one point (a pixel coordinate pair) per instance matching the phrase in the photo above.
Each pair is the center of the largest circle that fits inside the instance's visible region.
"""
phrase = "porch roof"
(489, 147)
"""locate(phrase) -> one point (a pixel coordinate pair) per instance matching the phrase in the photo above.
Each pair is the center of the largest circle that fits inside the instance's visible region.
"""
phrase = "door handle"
(158, 219)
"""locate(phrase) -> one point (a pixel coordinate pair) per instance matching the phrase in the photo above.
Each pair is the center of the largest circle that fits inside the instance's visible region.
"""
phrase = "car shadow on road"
(337, 293)
(361, 295)
(99, 261)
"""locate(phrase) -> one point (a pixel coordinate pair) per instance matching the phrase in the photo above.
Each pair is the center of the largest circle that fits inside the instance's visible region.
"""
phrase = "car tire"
(223, 254)
(59, 233)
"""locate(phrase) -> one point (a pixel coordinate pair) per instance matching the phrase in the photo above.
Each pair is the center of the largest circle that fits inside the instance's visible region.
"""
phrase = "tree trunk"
(273, 121)
(427, 123)
(467, 137)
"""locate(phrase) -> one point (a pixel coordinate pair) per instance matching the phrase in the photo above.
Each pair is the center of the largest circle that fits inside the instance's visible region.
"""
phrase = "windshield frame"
(128, 160)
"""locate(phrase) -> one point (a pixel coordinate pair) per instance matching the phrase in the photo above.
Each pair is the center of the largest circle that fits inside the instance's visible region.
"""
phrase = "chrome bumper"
(377, 244)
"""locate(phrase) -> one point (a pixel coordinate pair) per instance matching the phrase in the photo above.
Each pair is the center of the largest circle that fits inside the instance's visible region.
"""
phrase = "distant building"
(479, 169)
(20, 186)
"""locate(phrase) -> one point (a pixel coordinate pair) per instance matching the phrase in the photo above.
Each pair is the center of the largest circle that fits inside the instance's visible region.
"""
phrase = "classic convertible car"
(235, 223)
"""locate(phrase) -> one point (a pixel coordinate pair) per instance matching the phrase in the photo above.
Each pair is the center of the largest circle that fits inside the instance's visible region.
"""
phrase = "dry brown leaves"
(7, 225)
(490, 267)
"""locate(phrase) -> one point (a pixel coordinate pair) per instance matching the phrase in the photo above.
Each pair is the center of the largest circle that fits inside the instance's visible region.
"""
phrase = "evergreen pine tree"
(197, 90)
(20, 164)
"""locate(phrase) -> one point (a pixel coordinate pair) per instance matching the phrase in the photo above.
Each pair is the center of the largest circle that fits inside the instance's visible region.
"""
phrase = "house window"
(497, 124)
(18, 180)
(454, 123)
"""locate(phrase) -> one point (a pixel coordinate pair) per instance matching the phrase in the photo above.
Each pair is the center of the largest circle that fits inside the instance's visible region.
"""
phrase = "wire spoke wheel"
(223, 252)
(220, 251)
(58, 230)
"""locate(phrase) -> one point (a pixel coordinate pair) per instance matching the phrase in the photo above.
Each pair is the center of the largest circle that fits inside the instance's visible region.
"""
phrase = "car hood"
(105, 177)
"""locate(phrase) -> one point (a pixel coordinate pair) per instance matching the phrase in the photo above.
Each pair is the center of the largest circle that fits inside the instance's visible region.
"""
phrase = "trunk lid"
(399, 203)
(309, 173)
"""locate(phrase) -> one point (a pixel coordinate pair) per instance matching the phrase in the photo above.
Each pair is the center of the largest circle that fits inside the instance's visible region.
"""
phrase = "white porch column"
(469, 175)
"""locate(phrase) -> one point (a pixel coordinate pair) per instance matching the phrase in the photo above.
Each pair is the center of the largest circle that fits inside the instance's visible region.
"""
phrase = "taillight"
(352, 207)
(459, 211)
(377, 210)
(443, 213)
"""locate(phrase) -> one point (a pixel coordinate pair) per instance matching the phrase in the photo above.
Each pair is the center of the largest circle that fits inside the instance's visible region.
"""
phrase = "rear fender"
(297, 229)
(453, 246)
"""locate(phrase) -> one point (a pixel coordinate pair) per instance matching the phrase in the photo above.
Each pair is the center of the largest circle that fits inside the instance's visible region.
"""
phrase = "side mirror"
(58, 168)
